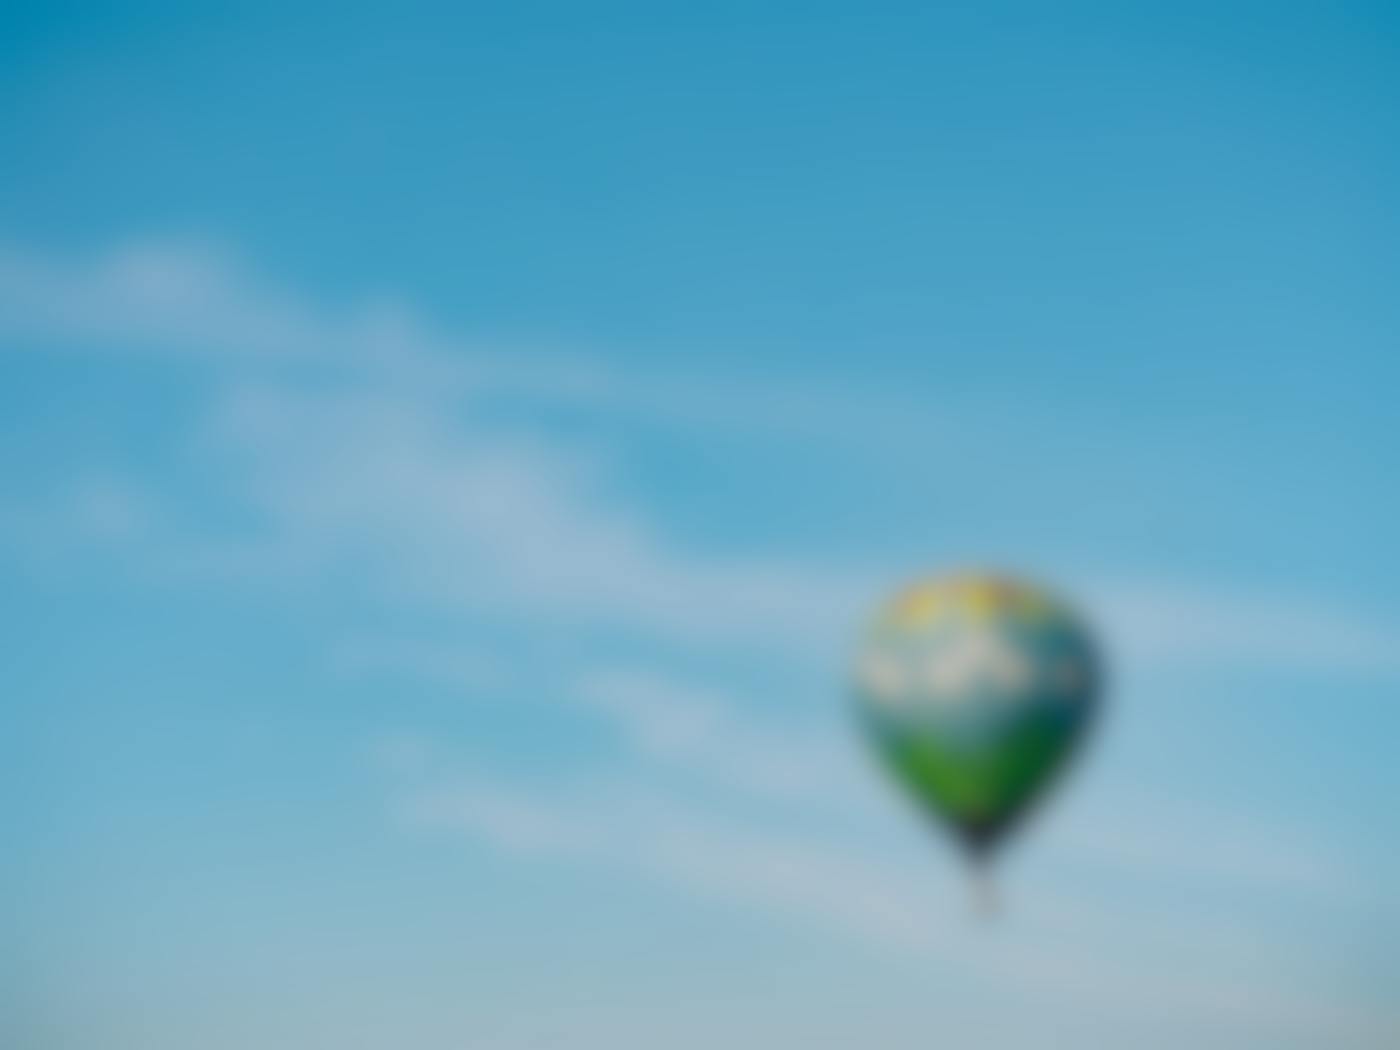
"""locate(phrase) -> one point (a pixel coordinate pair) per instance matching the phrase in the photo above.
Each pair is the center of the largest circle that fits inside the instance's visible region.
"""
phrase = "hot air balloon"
(976, 691)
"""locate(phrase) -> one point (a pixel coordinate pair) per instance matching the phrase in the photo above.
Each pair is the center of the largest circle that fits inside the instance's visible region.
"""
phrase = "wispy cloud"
(373, 464)
(454, 665)
(805, 771)
(647, 834)
(201, 301)
(387, 459)
(679, 723)
(1186, 624)
(355, 451)
(1202, 847)
(824, 884)
(169, 297)
(425, 503)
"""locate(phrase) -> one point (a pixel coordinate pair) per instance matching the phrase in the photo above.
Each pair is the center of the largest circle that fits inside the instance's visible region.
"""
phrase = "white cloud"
(456, 664)
(508, 820)
(387, 458)
(1059, 946)
(806, 879)
(1171, 623)
(817, 764)
(426, 503)
(1203, 846)
(384, 476)
(198, 300)
(700, 729)
(110, 508)
(185, 298)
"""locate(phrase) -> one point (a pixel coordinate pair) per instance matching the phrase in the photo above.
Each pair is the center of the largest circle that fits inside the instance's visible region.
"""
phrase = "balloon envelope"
(975, 691)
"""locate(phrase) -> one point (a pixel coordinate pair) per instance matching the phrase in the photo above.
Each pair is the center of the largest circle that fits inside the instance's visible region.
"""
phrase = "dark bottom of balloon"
(981, 794)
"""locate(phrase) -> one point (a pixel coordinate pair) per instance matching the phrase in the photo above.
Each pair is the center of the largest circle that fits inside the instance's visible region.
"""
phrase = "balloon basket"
(986, 899)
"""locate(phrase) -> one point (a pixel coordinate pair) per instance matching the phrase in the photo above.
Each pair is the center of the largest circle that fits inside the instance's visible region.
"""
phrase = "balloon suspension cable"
(986, 901)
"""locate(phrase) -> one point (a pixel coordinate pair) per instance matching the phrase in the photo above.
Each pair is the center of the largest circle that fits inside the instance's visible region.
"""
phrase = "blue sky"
(444, 462)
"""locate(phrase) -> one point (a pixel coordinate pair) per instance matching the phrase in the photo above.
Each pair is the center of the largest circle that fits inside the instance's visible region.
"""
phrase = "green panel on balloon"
(980, 794)
(976, 692)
